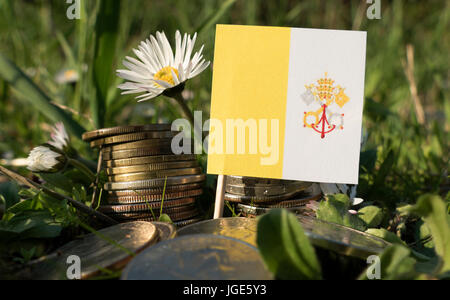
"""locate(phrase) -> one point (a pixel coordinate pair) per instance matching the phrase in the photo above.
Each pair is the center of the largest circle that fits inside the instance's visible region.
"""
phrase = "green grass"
(38, 37)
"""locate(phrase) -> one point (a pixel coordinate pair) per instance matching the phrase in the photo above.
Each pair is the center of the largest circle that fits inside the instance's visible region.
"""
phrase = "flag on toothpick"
(287, 103)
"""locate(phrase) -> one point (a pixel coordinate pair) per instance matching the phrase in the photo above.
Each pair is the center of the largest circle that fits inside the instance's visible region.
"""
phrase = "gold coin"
(259, 199)
(267, 190)
(150, 218)
(183, 223)
(105, 132)
(168, 206)
(166, 231)
(137, 198)
(155, 191)
(151, 167)
(154, 183)
(136, 145)
(96, 252)
(154, 174)
(293, 205)
(147, 160)
(297, 201)
(255, 181)
(124, 154)
(133, 137)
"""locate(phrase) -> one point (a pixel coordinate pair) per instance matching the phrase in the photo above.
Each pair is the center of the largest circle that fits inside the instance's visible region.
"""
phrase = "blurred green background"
(407, 106)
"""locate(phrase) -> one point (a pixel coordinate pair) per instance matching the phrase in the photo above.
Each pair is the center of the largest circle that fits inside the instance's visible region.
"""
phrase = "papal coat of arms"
(324, 94)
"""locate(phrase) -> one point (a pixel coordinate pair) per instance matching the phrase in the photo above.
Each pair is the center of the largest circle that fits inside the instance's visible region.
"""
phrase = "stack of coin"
(145, 178)
(256, 196)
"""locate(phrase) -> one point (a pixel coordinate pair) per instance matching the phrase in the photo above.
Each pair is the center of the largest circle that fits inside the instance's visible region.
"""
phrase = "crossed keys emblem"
(324, 93)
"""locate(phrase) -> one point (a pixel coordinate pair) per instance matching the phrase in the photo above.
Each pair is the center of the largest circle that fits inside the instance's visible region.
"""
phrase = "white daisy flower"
(60, 138)
(158, 69)
(67, 76)
(44, 159)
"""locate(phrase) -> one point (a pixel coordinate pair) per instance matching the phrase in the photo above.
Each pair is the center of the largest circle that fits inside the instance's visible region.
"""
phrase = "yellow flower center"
(165, 74)
(69, 74)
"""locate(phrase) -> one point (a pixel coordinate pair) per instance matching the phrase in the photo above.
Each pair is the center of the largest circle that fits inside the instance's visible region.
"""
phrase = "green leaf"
(285, 248)
(328, 212)
(33, 96)
(10, 192)
(339, 200)
(30, 224)
(52, 204)
(165, 218)
(106, 28)
(27, 254)
(58, 180)
(433, 211)
(43, 231)
(335, 210)
(76, 175)
(396, 264)
(29, 204)
(371, 215)
(354, 222)
(385, 235)
(385, 168)
(422, 233)
(429, 266)
(368, 160)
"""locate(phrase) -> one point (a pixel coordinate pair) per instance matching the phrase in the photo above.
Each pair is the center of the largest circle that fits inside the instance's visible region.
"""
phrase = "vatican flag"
(287, 103)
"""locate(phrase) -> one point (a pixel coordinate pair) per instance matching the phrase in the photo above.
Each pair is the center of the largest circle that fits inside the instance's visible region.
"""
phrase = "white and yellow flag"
(287, 103)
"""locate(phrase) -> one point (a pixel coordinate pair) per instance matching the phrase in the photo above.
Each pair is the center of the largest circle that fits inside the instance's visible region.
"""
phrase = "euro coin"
(151, 167)
(267, 190)
(254, 181)
(154, 174)
(152, 198)
(148, 143)
(122, 208)
(130, 137)
(145, 209)
(243, 229)
(149, 217)
(92, 248)
(162, 149)
(183, 258)
(120, 130)
(147, 160)
(166, 231)
(260, 199)
(154, 183)
(341, 239)
(156, 191)
(183, 223)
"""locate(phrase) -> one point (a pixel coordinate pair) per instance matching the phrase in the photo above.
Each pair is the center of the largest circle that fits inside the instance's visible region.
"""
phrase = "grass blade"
(107, 28)
(214, 17)
(35, 97)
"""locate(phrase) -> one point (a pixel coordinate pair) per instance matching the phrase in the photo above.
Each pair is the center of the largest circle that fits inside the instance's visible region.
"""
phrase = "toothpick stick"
(220, 195)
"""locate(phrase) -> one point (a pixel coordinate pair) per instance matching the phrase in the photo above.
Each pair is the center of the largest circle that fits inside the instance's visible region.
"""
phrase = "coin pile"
(144, 174)
(256, 196)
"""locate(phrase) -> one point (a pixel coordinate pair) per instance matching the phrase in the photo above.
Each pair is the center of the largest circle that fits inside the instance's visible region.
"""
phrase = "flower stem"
(186, 111)
(82, 167)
